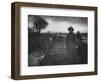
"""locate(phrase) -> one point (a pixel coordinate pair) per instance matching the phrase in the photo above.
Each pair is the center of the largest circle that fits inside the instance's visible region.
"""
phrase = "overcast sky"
(61, 24)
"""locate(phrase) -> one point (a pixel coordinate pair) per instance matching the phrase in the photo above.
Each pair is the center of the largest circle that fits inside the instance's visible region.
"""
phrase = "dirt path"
(56, 53)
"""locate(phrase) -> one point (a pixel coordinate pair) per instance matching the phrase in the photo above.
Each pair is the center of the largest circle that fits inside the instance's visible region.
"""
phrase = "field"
(53, 47)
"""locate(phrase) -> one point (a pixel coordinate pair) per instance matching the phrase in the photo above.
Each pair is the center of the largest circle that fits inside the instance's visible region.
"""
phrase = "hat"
(70, 28)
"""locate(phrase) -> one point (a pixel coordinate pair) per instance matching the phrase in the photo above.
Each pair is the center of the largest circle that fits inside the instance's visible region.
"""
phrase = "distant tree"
(40, 24)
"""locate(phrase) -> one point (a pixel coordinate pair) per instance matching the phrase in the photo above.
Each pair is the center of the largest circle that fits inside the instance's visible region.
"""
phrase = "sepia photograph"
(57, 40)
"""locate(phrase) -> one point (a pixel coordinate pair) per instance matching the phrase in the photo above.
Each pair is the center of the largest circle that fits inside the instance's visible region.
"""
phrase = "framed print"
(50, 40)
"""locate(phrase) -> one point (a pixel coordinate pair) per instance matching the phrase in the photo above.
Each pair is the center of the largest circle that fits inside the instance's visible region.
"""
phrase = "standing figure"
(71, 46)
(78, 39)
(79, 47)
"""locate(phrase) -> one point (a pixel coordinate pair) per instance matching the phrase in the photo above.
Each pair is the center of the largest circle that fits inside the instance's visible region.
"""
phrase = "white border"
(25, 70)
